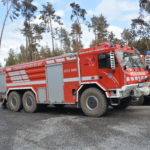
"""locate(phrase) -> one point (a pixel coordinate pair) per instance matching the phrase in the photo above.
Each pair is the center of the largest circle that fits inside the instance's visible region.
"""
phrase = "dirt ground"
(69, 129)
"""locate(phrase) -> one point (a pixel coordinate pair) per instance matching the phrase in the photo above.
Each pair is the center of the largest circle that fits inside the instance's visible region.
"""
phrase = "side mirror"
(112, 61)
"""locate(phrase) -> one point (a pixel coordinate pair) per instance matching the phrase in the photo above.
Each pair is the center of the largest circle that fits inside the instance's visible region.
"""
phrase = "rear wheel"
(14, 101)
(123, 104)
(93, 102)
(29, 102)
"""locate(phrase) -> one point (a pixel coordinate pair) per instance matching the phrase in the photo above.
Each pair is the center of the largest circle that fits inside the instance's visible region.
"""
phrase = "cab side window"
(104, 60)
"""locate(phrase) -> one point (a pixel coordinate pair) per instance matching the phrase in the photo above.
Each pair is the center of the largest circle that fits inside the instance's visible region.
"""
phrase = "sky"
(117, 12)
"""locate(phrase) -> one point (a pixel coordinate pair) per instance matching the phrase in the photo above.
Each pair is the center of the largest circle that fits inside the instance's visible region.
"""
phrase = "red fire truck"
(93, 79)
(146, 60)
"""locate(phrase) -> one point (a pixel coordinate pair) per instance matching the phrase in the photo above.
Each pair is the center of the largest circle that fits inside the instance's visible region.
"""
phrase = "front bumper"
(135, 90)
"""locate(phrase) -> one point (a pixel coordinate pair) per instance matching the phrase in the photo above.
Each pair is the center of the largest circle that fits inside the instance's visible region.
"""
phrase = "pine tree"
(78, 15)
(76, 37)
(28, 10)
(128, 36)
(65, 40)
(145, 5)
(99, 26)
(11, 60)
(12, 11)
(48, 16)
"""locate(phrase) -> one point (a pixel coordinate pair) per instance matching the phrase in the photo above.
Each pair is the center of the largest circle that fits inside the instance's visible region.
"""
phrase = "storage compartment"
(2, 83)
(54, 75)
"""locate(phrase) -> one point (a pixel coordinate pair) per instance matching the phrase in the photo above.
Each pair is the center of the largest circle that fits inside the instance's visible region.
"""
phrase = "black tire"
(29, 102)
(93, 102)
(139, 102)
(14, 101)
(123, 104)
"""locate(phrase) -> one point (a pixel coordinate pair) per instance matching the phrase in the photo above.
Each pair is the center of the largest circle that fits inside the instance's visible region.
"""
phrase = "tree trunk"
(147, 44)
(4, 23)
(52, 34)
(61, 40)
(27, 48)
(76, 43)
(95, 35)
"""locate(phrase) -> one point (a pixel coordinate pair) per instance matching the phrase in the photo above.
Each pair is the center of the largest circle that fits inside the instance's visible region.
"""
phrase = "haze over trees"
(65, 40)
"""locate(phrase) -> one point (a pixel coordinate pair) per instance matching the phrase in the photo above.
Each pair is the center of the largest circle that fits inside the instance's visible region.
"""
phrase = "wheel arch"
(21, 91)
(85, 86)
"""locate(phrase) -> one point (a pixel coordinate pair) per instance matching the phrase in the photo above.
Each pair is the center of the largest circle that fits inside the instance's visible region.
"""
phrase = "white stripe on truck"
(87, 78)
(26, 83)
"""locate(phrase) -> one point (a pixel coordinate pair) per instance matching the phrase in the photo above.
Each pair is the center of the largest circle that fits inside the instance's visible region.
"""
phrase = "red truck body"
(63, 79)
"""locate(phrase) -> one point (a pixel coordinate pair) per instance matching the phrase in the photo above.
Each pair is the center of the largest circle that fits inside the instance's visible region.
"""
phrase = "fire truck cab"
(146, 59)
(93, 79)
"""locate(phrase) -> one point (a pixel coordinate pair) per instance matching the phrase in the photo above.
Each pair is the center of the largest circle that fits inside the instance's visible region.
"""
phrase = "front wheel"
(93, 102)
(140, 101)
(29, 102)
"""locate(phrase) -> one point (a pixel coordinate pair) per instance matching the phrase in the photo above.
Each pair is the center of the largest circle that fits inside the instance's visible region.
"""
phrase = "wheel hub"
(14, 102)
(92, 102)
(29, 101)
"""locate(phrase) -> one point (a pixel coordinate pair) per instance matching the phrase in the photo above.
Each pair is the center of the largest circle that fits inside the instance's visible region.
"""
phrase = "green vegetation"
(138, 35)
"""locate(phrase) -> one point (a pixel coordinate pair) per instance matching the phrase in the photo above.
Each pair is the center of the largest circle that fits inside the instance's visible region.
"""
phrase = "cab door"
(108, 78)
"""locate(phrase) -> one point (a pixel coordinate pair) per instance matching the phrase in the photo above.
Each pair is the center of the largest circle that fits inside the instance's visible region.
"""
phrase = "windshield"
(130, 60)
